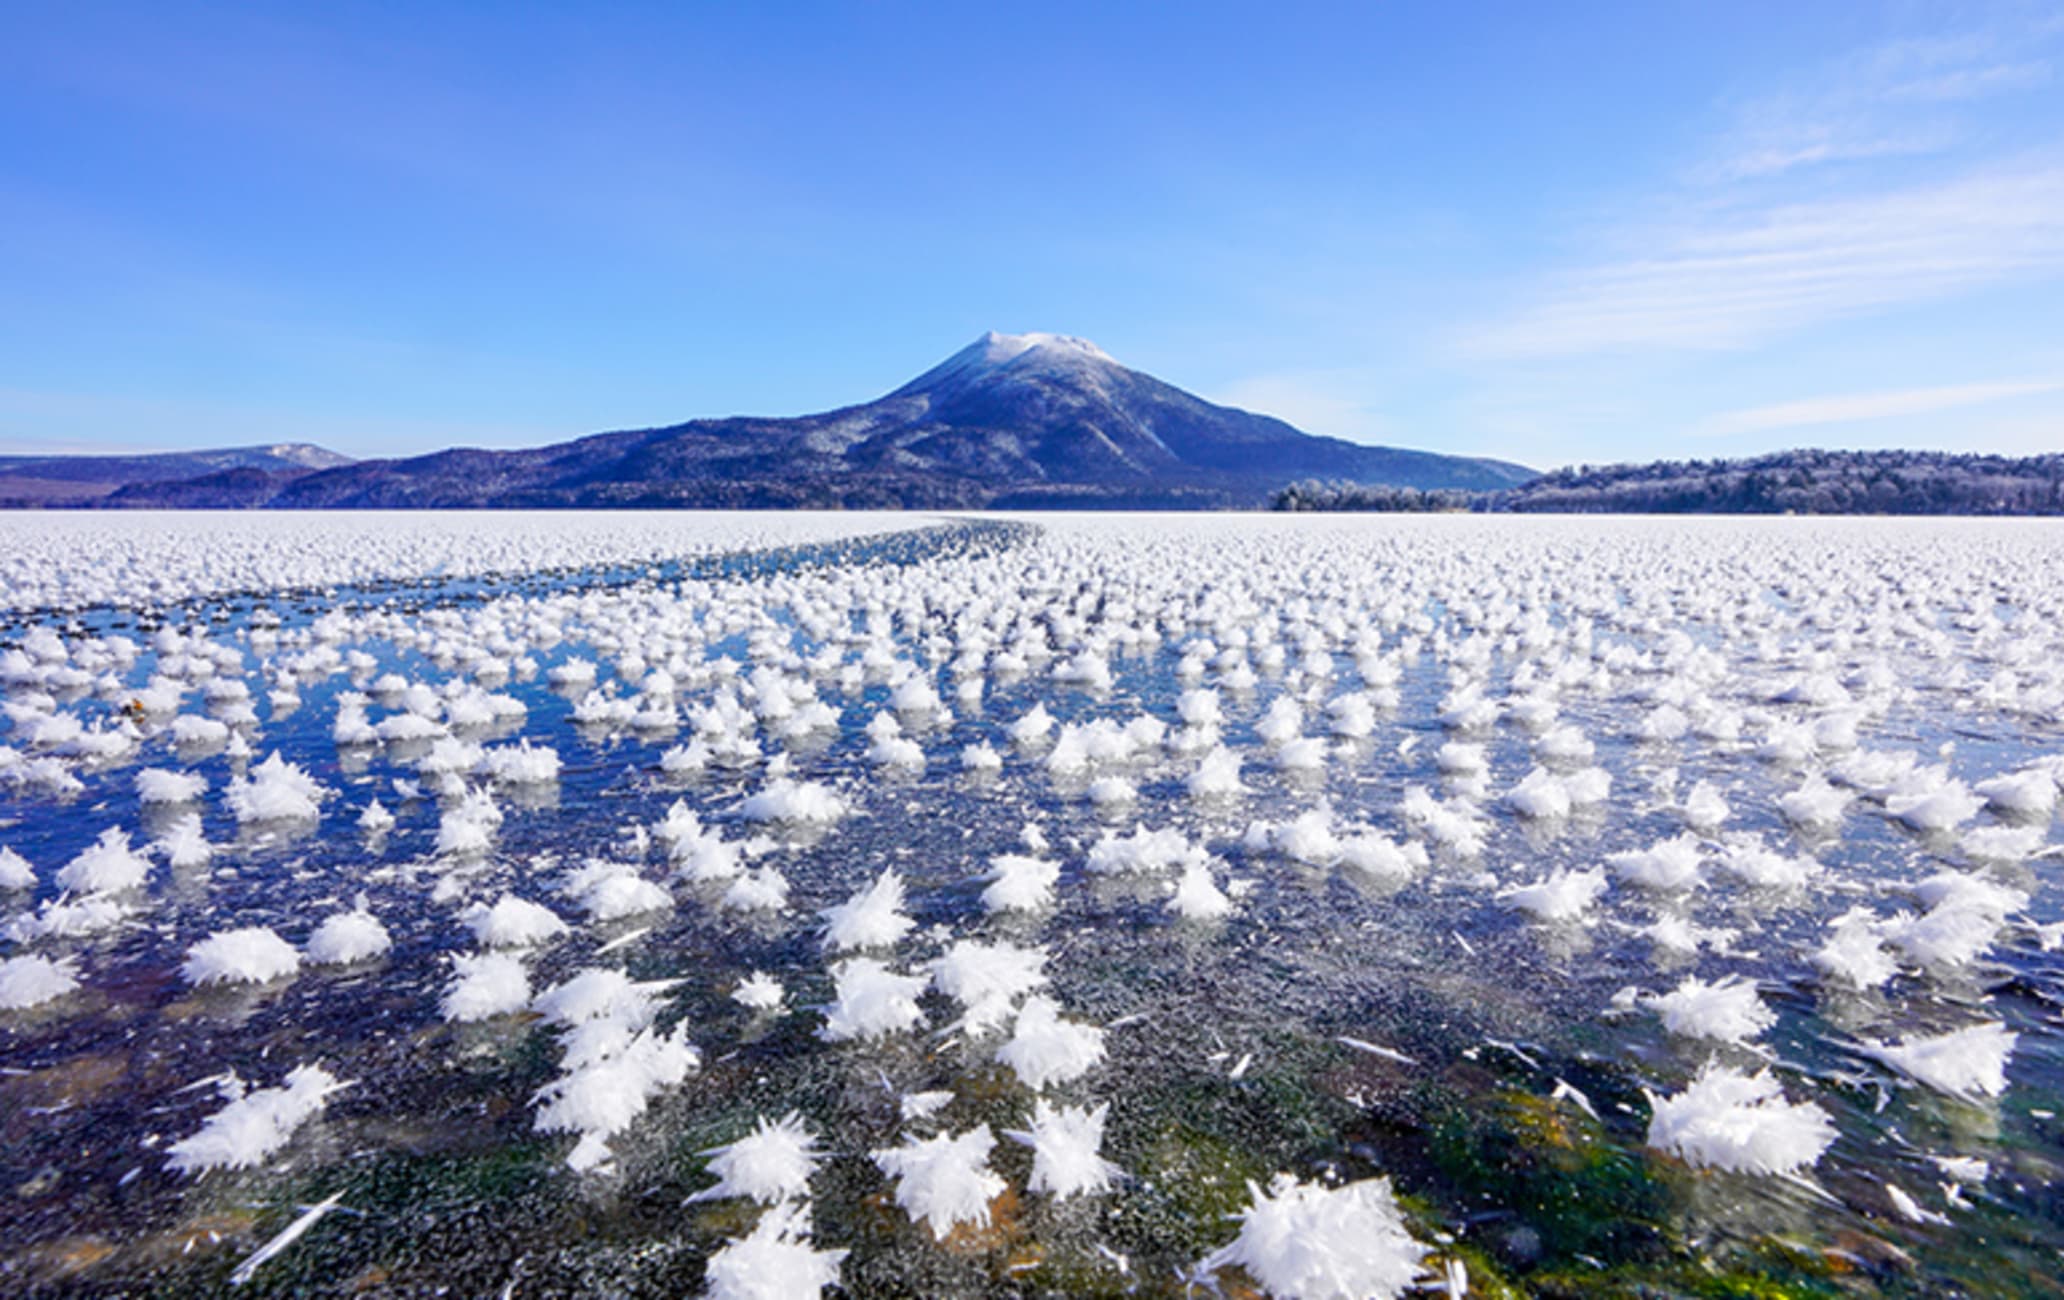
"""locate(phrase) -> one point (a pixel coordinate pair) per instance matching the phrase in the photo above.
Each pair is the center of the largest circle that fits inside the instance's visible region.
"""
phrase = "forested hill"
(1790, 482)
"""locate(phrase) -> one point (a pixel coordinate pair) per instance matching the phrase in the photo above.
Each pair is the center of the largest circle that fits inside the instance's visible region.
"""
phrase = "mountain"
(1013, 420)
(45, 480)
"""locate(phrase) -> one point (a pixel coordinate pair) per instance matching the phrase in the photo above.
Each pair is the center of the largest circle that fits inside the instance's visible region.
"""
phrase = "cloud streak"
(1741, 280)
(1850, 408)
(1828, 199)
(1889, 100)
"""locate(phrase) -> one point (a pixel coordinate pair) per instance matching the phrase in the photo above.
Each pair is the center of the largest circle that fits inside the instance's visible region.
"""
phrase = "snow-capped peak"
(1000, 349)
(306, 454)
(1018, 354)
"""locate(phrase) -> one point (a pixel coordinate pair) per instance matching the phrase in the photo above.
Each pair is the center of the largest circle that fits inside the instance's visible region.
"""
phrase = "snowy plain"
(1039, 904)
(61, 559)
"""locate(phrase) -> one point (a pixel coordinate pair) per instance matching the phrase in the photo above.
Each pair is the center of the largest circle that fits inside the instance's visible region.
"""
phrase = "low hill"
(1787, 482)
(77, 480)
(1809, 482)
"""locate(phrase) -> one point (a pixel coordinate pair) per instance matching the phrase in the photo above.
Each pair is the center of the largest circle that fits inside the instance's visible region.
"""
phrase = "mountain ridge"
(1011, 420)
(82, 479)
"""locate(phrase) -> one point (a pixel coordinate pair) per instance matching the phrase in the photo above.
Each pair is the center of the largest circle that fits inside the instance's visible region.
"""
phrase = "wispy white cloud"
(1758, 240)
(1899, 98)
(1849, 408)
(1745, 277)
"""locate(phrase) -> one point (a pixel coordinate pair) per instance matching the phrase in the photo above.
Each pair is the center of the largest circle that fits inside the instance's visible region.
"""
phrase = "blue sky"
(1555, 233)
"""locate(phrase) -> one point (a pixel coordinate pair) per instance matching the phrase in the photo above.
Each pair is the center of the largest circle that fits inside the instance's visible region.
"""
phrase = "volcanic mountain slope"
(1011, 420)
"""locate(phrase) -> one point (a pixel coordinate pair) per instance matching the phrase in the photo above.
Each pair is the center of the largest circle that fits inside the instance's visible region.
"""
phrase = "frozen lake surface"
(658, 905)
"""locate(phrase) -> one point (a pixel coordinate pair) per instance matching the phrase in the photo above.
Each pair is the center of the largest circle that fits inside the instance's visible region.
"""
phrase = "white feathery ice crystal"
(1306, 1241)
(15, 871)
(1705, 808)
(30, 980)
(1727, 1009)
(1382, 859)
(1564, 744)
(1940, 808)
(1758, 867)
(759, 992)
(602, 1096)
(1111, 791)
(1741, 1122)
(1853, 954)
(773, 1163)
(774, 1261)
(945, 1180)
(1034, 726)
(1308, 837)
(250, 954)
(698, 854)
(157, 785)
(347, 937)
(1970, 1064)
(465, 832)
(276, 790)
(192, 730)
(981, 757)
(1671, 932)
(613, 1059)
(1667, 865)
(520, 764)
(1815, 804)
(600, 993)
(1217, 775)
(987, 979)
(106, 866)
(1196, 896)
(1045, 1049)
(1066, 1142)
(1564, 895)
(2030, 792)
(184, 845)
(1541, 796)
(610, 891)
(1452, 825)
(483, 986)
(1464, 758)
(873, 1001)
(512, 922)
(1142, 851)
(1020, 883)
(1304, 754)
(1965, 912)
(254, 1124)
(67, 917)
(1199, 707)
(786, 800)
(872, 918)
(760, 889)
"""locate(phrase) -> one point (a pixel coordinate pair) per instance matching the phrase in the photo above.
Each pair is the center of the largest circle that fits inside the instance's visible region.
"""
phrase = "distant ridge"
(1010, 421)
(1810, 482)
(74, 480)
(1803, 482)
